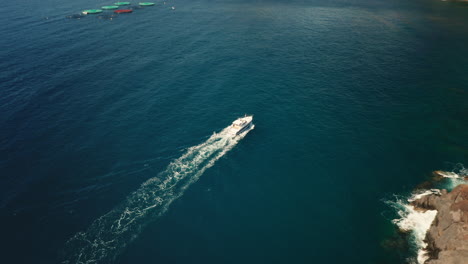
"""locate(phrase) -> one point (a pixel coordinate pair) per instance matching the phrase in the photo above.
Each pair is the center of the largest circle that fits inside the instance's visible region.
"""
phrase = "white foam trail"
(108, 235)
(415, 221)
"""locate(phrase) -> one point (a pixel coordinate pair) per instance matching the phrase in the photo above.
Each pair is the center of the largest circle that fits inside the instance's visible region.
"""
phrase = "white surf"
(416, 222)
(455, 177)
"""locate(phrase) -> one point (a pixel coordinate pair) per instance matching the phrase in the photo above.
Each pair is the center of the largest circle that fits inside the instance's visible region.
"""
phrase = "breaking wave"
(108, 235)
(454, 177)
(418, 222)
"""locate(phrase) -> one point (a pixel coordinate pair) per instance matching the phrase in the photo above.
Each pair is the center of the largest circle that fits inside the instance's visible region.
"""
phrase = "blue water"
(353, 101)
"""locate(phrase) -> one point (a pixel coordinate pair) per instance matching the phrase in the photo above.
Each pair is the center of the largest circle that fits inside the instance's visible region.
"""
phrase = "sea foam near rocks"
(418, 212)
(454, 178)
(416, 222)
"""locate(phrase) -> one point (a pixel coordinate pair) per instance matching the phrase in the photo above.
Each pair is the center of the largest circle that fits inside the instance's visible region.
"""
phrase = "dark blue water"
(353, 101)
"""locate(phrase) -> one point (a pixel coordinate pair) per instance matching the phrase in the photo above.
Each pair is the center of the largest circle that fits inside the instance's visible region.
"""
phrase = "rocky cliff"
(447, 238)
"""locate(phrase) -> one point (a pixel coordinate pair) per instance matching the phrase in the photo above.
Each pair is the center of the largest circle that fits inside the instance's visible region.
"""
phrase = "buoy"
(123, 11)
(92, 11)
(122, 3)
(146, 4)
(109, 7)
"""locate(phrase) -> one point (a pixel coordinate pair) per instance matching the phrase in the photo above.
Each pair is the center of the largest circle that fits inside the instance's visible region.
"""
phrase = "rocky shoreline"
(447, 237)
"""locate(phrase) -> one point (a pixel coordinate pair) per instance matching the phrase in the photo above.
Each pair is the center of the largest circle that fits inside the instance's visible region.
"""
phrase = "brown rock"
(447, 238)
(460, 193)
(425, 203)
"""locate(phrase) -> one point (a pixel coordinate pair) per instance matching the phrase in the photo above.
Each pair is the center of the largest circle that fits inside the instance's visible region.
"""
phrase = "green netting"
(109, 7)
(122, 3)
(146, 4)
(92, 11)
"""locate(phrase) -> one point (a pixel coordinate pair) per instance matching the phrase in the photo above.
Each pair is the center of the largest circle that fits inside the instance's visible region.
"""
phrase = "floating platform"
(109, 7)
(123, 11)
(121, 3)
(92, 11)
(146, 4)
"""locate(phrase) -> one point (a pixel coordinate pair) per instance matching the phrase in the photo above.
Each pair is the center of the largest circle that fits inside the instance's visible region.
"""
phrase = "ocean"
(112, 147)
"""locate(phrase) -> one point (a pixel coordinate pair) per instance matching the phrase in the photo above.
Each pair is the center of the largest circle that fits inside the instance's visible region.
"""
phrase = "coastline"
(447, 237)
(437, 219)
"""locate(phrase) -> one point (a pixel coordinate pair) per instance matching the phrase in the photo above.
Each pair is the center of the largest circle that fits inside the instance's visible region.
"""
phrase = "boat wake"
(108, 235)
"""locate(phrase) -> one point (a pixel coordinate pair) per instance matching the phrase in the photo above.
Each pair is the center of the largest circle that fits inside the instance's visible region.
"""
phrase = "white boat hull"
(241, 125)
